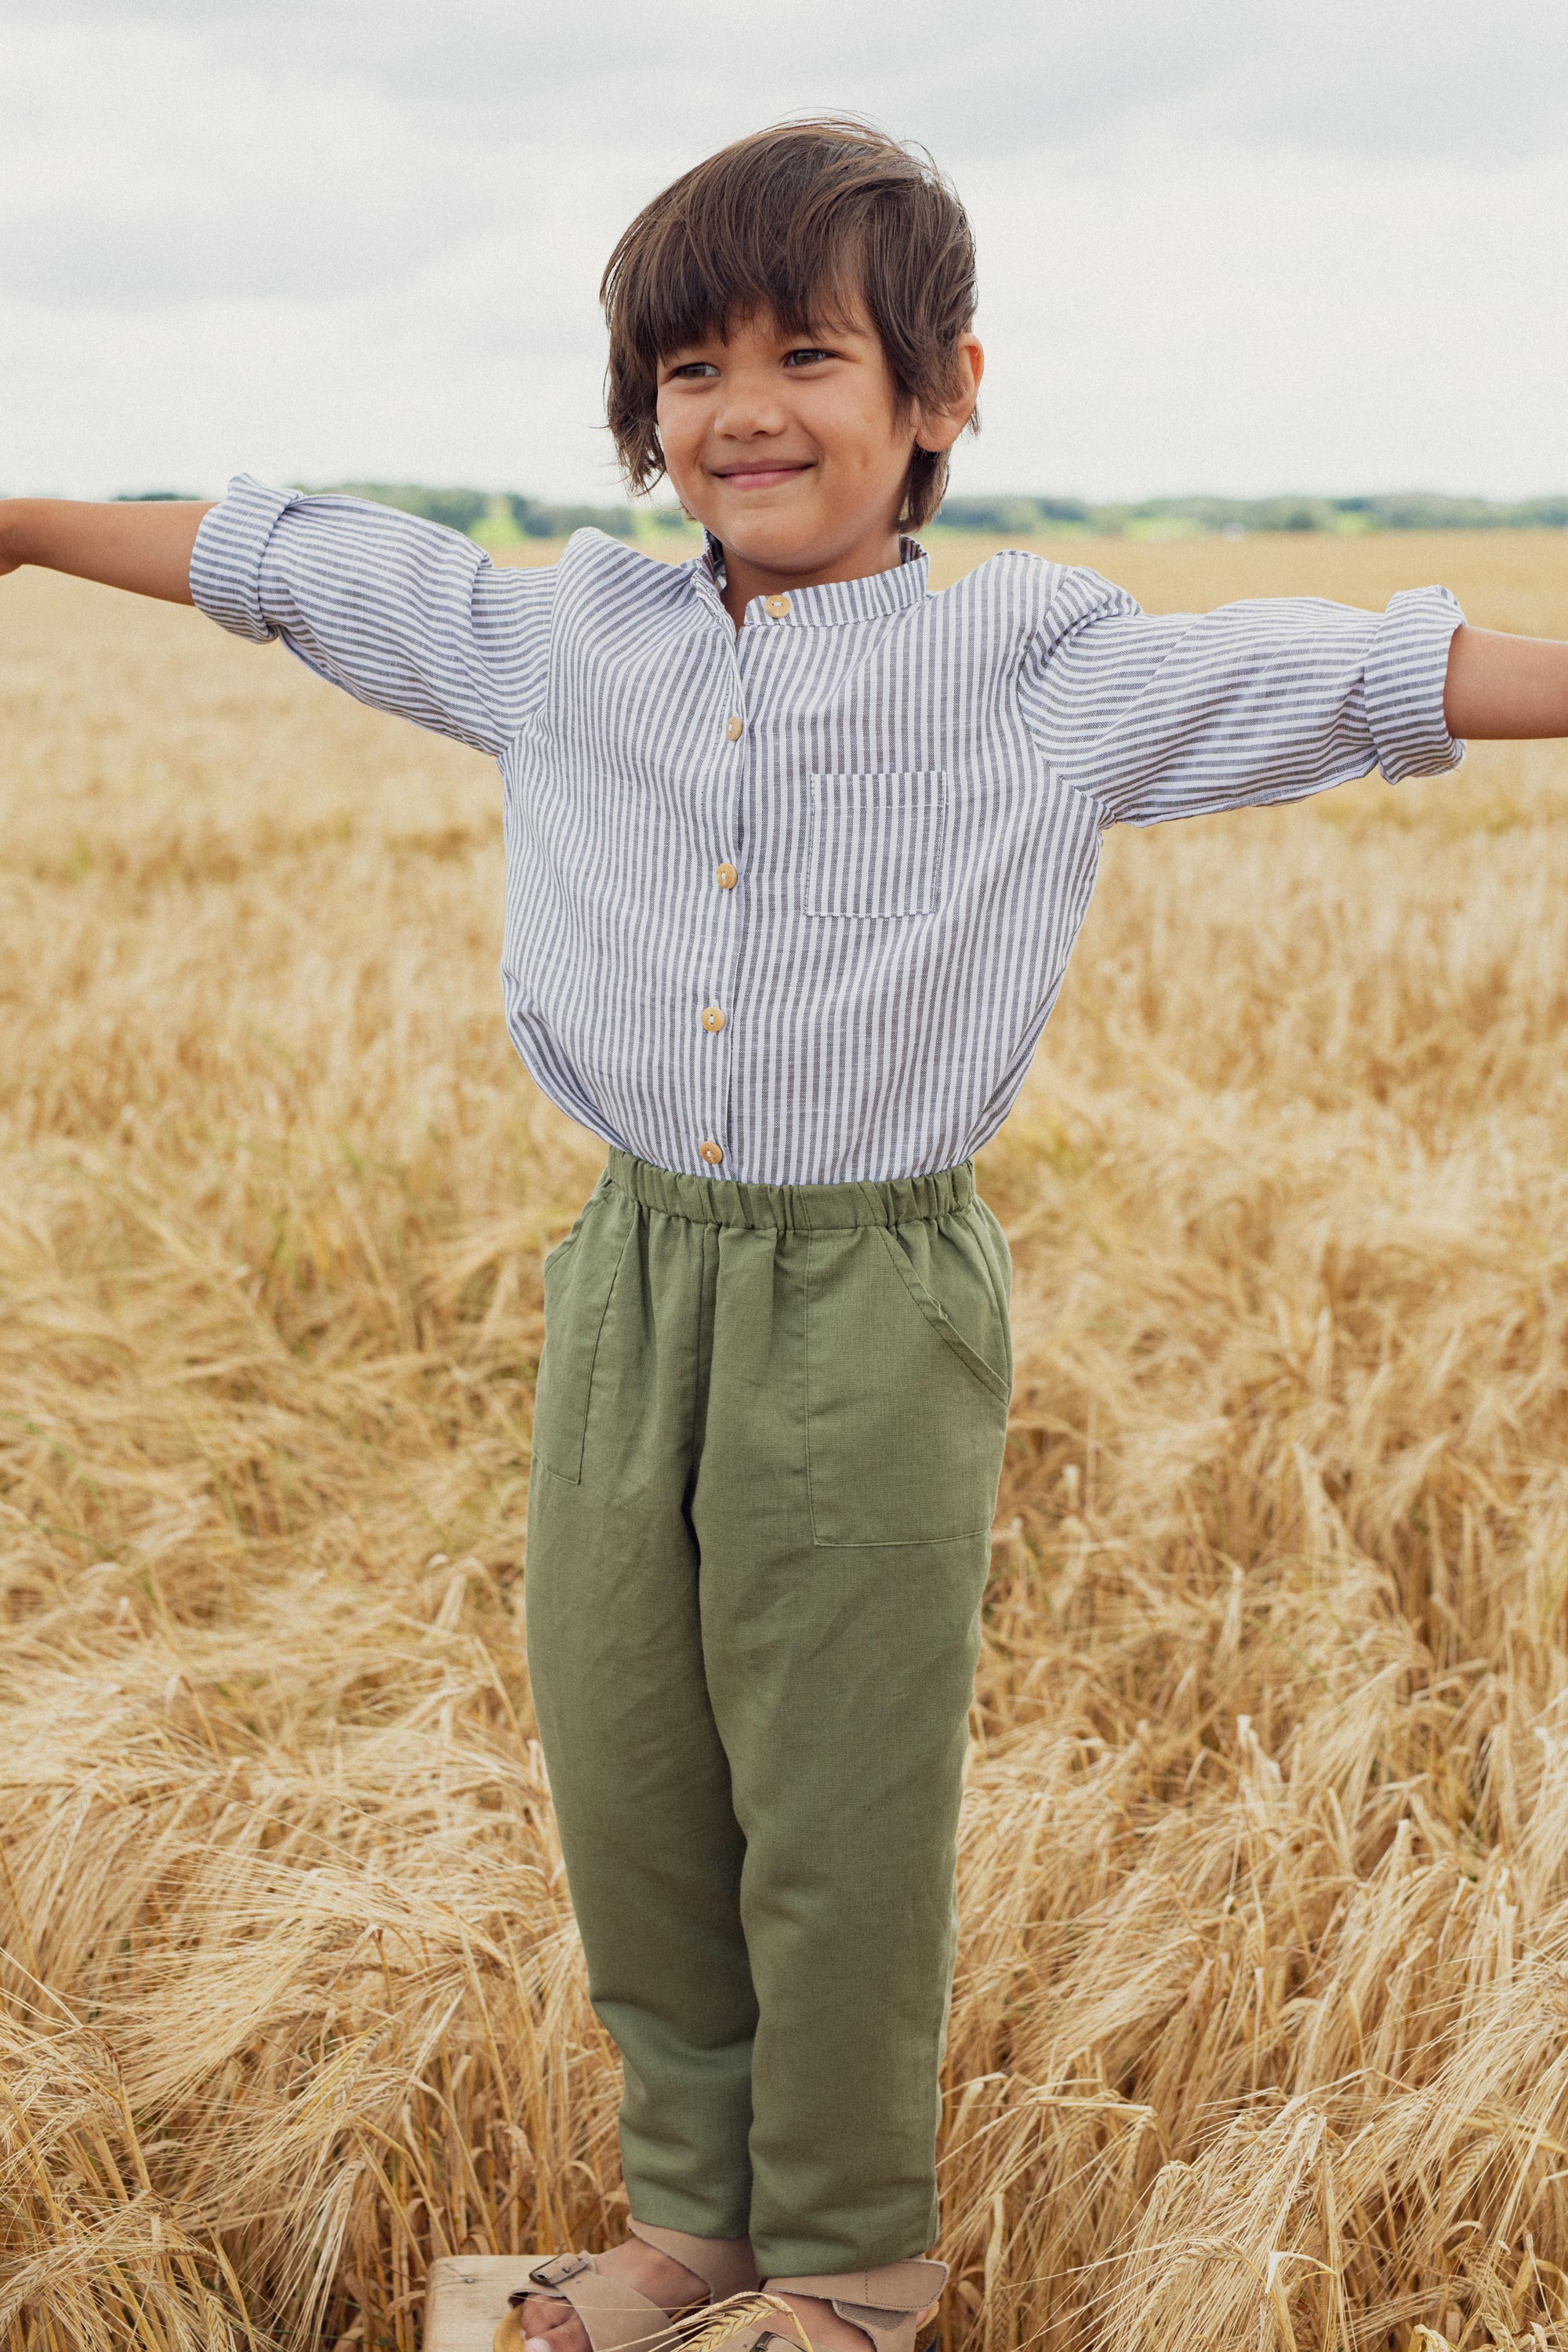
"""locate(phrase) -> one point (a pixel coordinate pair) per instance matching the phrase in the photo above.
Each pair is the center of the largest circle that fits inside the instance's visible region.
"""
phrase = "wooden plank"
(466, 2299)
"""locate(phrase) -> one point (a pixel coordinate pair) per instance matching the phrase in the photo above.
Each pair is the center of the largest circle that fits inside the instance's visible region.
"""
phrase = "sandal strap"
(614, 2317)
(895, 2286)
(886, 2304)
(725, 2265)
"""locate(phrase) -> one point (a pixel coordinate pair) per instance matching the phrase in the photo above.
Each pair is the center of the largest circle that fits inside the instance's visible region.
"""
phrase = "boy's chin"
(792, 542)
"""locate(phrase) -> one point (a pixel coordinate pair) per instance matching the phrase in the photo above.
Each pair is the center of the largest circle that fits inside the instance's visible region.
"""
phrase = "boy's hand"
(126, 544)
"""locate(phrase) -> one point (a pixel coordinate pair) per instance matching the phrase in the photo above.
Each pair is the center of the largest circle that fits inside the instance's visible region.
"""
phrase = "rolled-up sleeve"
(399, 611)
(1172, 715)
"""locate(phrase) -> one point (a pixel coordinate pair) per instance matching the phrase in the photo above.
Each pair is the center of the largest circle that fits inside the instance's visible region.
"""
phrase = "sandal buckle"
(562, 2267)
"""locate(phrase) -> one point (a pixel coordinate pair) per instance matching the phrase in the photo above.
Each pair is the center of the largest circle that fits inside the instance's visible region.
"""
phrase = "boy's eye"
(804, 355)
(692, 368)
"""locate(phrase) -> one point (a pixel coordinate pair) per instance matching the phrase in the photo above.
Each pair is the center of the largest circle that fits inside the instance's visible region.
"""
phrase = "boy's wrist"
(18, 520)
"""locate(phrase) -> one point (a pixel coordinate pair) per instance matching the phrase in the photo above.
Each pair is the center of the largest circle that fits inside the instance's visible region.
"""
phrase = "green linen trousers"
(767, 1439)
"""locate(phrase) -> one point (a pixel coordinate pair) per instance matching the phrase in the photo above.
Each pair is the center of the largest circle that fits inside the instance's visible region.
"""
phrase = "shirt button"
(736, 727)
(712, 1018)
(711, 1152)
(726, 876)
(776, 607)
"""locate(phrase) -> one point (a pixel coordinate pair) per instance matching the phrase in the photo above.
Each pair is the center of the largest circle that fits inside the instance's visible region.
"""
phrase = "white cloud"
(1276, 320)
(1236, 244)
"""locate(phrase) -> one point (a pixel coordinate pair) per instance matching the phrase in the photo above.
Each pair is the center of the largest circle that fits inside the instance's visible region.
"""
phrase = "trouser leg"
(842, 1511)
(753, 1711)
(638, 1772)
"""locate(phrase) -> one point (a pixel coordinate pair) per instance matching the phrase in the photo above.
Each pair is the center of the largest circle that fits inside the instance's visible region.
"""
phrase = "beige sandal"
(614, 2317)
(896, 2306)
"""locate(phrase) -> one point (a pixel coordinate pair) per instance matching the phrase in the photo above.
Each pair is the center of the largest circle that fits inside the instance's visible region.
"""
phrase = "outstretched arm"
(1178, 714)
(399, 611)
(1503, 686)
(144, 545)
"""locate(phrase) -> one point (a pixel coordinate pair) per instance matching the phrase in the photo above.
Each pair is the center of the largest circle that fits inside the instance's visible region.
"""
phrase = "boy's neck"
(745, 579)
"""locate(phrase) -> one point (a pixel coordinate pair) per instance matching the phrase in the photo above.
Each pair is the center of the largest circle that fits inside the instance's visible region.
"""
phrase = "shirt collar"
(836, 601)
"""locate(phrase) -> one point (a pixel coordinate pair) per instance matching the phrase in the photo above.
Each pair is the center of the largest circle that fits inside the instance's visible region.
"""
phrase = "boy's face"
(791, 448)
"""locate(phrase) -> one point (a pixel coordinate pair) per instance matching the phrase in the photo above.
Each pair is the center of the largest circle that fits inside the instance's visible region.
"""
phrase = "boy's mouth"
(765, 475)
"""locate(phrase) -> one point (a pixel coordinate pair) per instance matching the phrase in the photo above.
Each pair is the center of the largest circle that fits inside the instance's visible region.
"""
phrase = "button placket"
(715, 1013)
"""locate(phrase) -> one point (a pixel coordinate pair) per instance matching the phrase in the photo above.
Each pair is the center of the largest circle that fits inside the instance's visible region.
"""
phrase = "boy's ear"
(937, 428)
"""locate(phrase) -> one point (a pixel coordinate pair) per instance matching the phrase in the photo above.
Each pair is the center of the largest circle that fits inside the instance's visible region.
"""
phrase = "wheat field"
(1260, 2031)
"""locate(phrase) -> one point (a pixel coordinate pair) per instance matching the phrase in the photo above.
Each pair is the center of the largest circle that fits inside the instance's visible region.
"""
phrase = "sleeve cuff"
(1407, 668)
(225, 562)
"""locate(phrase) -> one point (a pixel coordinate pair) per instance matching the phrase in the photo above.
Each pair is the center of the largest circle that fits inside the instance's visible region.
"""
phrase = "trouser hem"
(802, 2257)
(661, 2210)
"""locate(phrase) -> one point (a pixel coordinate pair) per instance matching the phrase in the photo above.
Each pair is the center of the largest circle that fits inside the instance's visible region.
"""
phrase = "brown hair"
(791, 221)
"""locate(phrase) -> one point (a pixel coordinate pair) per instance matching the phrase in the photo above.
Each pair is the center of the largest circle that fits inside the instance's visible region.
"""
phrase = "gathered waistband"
(793, 1207)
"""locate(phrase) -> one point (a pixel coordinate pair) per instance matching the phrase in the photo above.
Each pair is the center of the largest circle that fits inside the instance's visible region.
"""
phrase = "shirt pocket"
(873, 843)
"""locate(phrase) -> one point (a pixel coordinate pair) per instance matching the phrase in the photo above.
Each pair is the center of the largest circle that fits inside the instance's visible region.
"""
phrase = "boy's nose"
(748, 409)
(741, 426)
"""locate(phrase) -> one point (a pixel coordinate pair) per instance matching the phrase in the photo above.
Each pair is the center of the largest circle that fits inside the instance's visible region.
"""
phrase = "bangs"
(706, 268)
(802, 223)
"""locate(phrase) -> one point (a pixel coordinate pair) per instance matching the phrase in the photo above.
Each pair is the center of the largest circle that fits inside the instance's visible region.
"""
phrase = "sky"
(1228, 246)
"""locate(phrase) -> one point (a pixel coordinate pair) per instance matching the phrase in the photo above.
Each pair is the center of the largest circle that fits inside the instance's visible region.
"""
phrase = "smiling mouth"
(760, 477)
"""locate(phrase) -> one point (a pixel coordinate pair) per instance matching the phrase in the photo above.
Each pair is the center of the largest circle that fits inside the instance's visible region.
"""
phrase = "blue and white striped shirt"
(792, 904)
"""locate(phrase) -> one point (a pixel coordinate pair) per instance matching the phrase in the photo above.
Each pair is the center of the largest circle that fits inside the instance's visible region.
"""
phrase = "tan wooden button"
(712, 1017)
(711, 1152)
(736, 727)
(776, 607)
(726, 876)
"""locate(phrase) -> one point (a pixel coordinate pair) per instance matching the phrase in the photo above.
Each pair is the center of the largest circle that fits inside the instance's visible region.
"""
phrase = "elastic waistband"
(791, 1208)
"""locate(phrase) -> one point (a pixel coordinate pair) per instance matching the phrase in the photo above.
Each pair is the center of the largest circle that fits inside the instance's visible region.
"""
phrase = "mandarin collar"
(835, 602)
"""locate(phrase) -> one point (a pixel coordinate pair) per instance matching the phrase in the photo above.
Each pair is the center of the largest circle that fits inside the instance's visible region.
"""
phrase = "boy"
(796, 853)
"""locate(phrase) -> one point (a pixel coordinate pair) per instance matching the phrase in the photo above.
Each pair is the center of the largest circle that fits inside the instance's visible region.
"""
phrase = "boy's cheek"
(695, 495)
(680, 458)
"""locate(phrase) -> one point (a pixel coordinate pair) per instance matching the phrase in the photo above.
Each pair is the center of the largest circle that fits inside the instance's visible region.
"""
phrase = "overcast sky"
(1291, 245)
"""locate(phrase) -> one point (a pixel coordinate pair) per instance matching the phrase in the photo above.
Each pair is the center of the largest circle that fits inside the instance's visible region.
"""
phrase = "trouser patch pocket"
(908, 1371)
(579, 1280)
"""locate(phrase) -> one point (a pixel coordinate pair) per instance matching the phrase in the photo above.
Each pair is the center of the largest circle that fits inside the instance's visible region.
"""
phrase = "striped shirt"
(791, 903)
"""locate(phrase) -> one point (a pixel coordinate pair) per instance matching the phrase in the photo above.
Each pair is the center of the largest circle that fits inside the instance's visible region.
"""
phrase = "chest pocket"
(873, 845)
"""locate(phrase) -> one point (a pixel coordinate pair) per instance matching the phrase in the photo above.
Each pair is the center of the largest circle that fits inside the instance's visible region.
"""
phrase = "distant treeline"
(481, 512)
(1397, 510)
(490, 514)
